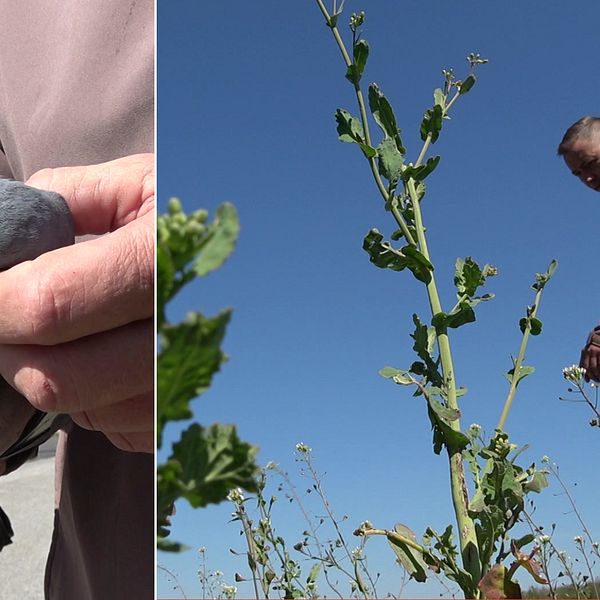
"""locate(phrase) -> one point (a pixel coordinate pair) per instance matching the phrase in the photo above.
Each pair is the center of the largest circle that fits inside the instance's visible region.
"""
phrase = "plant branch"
(365, 124)
(516, 376)
(393, 535)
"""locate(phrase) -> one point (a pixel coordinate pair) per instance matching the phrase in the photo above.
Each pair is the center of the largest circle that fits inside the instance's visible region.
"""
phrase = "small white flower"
(357, 553)
(229, 591)
(578, 539)
(475, 429)
(546, 459)
(235, 496)
(574, 374)
(303, 448)
(544, 539)
(218, 574)
(270, 466)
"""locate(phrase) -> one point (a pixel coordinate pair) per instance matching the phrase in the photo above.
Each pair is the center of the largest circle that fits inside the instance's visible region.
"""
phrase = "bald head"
(580, 149)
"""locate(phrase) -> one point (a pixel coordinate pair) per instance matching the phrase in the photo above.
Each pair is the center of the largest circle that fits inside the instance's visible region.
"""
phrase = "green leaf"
(460, 316)
(524, 371)
(468, 276)
(226, 228)
(524, 540)
(383, 113)
(204, 466)
(421, 172)
(443, 412)
(467, 84)
(510, 482)
(165, 275)
(541, 279)
(400, 377)
(190, 355)
(421, 268)
(424, 345)
(182, 239)
(368, 151)
(390, 161)
(360, 55)
(444, 435)
(382, 255)
(537, 482)
(432, 123)
(424, 339)
(534, 323)
(169, 546)
(350, 131)
(349, 128)
(314, 573)
(211, 462)
(408, 557)
(439, 97)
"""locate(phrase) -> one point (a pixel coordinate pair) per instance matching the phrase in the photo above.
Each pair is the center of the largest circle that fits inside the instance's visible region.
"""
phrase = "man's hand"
(76, 325)
(590, 361)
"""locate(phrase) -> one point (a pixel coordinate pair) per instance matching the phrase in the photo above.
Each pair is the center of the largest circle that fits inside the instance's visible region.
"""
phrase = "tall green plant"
(207, 462)
(484, 558)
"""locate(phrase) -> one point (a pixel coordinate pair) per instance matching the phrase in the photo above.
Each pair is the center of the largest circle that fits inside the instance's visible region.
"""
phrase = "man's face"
(583, 159)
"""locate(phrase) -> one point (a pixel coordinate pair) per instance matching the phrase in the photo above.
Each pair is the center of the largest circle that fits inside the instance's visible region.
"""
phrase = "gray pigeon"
(32, 222)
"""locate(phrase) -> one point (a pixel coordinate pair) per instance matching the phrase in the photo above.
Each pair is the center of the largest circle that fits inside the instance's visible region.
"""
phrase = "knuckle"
(45, 304)
(136, 262)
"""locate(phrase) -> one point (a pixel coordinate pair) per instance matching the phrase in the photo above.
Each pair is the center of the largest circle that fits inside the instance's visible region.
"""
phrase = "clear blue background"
(246, 97)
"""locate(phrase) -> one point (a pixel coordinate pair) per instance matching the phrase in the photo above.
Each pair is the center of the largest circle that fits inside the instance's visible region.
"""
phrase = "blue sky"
(246, 97)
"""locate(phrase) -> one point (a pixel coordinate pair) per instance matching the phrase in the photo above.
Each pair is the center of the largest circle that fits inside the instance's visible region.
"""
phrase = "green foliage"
(432, 123)
(295, 571)
(477, 562)
(189, 247)
(384, 256)
(360, 53)
(409, 557)
(206, 462)
(350, 130)
(190, 355)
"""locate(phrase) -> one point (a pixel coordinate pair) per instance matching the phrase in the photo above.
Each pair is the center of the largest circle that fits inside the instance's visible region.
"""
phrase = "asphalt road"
(27, 496)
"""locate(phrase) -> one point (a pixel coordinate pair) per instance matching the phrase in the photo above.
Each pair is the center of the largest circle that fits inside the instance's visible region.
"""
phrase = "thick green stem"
(460, 498)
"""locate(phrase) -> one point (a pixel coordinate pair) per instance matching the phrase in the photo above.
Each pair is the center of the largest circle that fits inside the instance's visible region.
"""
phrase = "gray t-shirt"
(77, 88)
